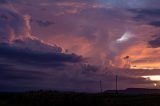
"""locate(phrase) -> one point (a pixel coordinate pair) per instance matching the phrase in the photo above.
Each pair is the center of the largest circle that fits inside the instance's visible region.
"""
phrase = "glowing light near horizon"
(125, 37)
(144, 68)
(152, 77)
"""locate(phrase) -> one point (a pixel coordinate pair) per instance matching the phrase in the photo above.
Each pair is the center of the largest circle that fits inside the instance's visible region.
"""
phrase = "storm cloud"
(72, 45)
(155, 43)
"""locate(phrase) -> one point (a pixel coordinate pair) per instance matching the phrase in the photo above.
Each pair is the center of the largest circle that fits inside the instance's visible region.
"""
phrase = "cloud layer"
(93, 39)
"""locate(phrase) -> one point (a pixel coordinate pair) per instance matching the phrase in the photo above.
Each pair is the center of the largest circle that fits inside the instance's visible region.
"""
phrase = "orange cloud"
(143, 57)
(78, 45)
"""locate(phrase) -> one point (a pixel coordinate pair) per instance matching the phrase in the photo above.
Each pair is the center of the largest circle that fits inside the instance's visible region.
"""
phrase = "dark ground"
(54, 98)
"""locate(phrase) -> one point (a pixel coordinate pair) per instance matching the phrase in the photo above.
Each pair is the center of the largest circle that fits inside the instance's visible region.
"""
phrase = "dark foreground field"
(53, 98)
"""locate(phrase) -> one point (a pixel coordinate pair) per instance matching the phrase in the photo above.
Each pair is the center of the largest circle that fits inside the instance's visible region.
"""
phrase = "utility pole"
(116, 84)
(100, 85)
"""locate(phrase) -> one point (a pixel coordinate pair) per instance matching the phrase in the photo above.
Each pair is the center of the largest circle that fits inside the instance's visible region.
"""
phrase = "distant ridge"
(135, 91)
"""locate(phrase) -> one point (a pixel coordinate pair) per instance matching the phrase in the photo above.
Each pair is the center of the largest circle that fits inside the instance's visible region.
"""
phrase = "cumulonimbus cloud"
(16, 35)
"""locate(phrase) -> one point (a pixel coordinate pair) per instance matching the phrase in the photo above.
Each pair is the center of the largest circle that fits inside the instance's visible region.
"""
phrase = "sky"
(72, 45)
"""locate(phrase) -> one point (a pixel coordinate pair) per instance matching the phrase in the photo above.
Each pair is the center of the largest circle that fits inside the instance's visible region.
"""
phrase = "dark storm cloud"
(155, 23)
(18, 79)
(149, 12)
(44, 23)
(3, 1)
(145, 14)
(87, 68)
(155, 43)
(29, 56)
(10, 73)
(11, 1)
(72, 0)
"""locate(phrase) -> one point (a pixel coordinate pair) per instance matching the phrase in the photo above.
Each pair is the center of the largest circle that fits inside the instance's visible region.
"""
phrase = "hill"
(135, 91)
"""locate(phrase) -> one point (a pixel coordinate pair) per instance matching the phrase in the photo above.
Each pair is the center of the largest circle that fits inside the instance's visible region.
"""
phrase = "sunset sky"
(73, 44)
